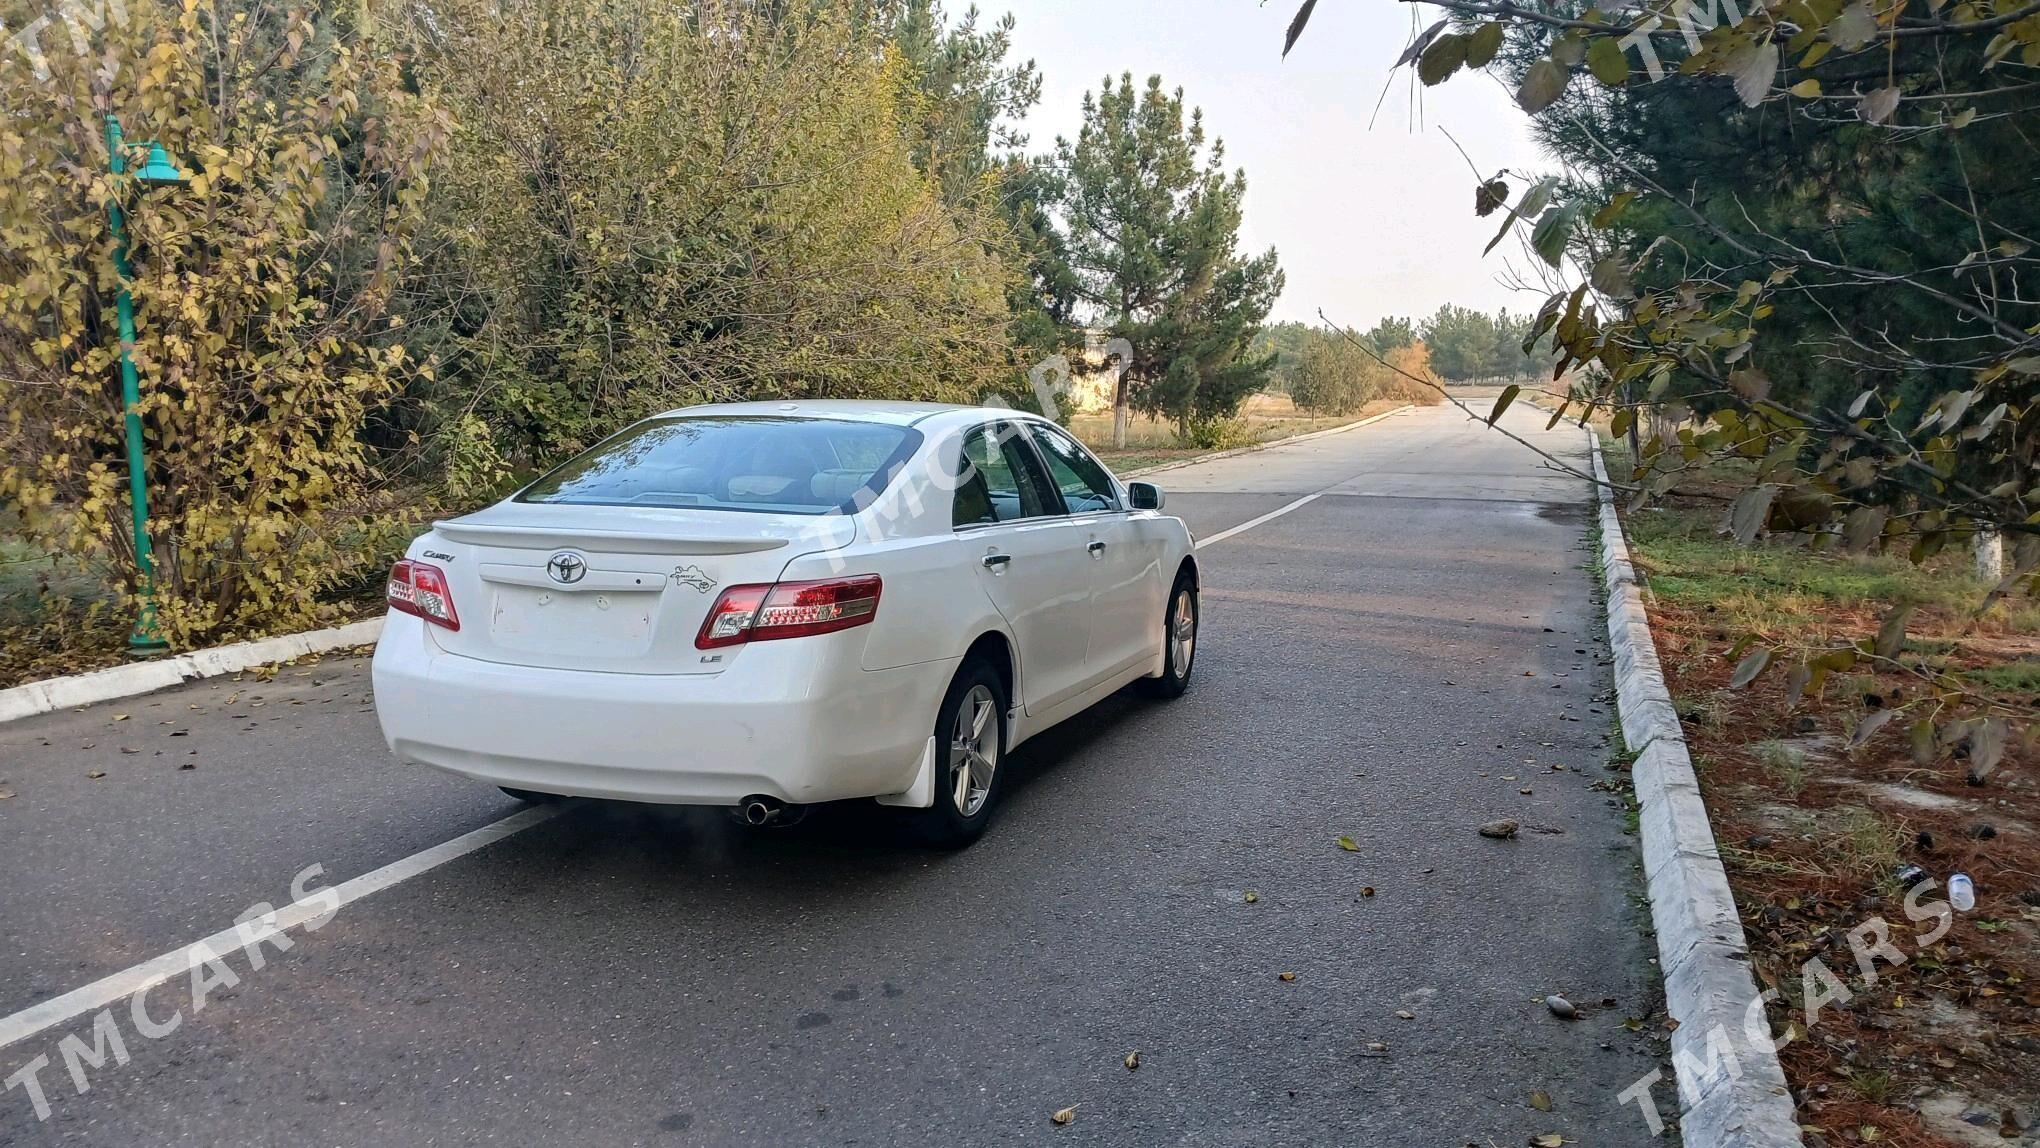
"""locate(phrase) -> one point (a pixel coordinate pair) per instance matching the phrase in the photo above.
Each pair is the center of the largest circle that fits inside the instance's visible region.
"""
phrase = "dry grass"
(1266, 417)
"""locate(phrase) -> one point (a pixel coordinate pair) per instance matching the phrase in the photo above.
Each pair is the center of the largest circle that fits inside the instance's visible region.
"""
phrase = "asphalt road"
(1412, 653)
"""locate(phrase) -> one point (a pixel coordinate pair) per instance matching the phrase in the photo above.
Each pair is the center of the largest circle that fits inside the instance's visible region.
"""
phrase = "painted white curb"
(1238, 450)
(1732, 1092)
(157, 673)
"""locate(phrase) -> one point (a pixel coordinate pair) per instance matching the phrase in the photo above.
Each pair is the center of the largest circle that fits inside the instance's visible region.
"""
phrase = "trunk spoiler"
(607, 541)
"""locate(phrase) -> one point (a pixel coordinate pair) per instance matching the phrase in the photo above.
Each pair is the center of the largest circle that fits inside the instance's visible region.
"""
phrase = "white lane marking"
(147, 975)
(1250, 523)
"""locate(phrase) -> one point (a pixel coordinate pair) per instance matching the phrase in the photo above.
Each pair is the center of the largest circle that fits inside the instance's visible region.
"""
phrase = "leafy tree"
(1337, 375)
(263, 293)
(1045, 295)
(1462, 342)
(962, 123)
(967, 96)
(1331, 376)
(1806, 223)
(1801, 222)
(665, 205)
(1153, 219)
(1467, 344)
(1287, 342)
(1391, 332)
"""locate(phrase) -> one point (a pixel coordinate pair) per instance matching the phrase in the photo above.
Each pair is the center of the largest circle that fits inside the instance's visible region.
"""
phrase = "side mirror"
(1145, 496)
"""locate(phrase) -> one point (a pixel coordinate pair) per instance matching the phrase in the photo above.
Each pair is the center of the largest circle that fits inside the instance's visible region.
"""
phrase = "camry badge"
(693, 576)
(566, 567)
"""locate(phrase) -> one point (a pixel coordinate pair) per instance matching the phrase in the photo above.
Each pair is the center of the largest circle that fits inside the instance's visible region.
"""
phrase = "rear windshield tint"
(744, 463)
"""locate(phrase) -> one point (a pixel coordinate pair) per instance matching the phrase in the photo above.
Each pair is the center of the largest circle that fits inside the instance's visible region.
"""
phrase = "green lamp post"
(158, 171)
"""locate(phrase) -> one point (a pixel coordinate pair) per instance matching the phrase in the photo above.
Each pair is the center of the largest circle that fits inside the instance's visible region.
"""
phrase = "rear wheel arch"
(995, 649)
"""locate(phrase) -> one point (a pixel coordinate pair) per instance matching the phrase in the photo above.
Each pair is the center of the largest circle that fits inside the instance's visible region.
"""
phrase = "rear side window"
(742, 463)
(1001, 481)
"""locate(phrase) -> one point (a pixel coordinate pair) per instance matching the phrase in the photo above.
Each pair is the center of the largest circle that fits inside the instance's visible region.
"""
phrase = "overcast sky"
(1367, 222)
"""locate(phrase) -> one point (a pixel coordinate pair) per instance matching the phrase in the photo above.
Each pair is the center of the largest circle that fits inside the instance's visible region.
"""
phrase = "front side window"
(744, 463)
(1085, 486)
(1000, 482)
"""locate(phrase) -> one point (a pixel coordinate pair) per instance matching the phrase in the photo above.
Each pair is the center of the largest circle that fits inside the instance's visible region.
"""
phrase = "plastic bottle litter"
(1910, 875)
(1962, 892)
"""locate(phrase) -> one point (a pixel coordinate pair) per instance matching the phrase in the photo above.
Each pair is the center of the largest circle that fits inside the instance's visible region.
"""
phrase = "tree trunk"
(1990, 555)
(1119, 411)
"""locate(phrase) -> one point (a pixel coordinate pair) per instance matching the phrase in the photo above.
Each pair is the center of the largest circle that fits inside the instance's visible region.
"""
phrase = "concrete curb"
(158, 673)
(1732, 1092)
(1239, 450)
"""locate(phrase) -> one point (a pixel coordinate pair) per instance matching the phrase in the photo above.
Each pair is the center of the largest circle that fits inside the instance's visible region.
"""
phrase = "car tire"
(963, 808)
(530, 797)
(1179, 641)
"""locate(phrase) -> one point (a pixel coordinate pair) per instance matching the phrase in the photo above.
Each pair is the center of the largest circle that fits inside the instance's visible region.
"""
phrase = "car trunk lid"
(618, 589)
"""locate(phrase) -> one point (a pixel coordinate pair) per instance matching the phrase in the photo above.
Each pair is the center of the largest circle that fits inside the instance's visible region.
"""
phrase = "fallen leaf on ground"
(1064, 1115)
(1541, 1100)
(1561, 1007)
(5, 794)
(95, 774)
(1285, 977)
(1405, 1014)
(1133, 1060)
(120, 717)
(1376, 1046)
(1500, 830)
(1349, 845)
(1547, 1140)
(1367, 890)
(1250, 897)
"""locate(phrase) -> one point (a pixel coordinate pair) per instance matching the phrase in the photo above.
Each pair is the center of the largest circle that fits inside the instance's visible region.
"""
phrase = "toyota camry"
(762, 606)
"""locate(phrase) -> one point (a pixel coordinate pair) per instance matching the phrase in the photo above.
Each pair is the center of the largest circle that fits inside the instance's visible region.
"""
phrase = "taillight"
(761, 613)
(420, 588)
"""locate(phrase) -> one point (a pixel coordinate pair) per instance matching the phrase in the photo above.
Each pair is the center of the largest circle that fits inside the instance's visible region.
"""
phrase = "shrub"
(690, 203)
(261, 291)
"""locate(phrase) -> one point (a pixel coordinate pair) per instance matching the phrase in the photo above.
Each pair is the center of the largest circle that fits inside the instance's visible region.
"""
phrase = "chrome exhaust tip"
(760, 811)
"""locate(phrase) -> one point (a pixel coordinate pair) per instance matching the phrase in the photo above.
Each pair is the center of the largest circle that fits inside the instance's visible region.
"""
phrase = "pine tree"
(1154, 220)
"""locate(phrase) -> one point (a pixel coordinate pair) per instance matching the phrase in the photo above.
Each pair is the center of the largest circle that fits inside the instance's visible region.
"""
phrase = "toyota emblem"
(566, 567)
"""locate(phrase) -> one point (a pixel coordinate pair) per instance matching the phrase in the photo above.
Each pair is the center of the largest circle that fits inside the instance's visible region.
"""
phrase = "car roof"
(862, 410)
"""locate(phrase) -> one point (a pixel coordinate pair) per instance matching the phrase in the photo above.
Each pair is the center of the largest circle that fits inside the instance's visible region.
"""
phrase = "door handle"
(1097, 548)
(996, 561)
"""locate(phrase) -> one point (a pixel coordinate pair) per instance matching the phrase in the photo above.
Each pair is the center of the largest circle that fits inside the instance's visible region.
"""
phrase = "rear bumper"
(798, 720)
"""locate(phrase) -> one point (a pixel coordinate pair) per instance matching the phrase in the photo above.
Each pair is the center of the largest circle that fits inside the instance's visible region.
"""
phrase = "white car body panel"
(598, 689)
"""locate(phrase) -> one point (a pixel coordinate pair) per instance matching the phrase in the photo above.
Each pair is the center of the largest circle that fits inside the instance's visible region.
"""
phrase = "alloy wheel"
(973, 750)
(1183, 632)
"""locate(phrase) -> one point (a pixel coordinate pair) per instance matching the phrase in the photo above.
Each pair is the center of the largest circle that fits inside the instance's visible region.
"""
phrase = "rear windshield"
(755, 463)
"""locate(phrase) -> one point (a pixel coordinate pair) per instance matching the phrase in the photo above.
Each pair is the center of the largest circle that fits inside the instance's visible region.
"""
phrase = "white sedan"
(766, 605)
